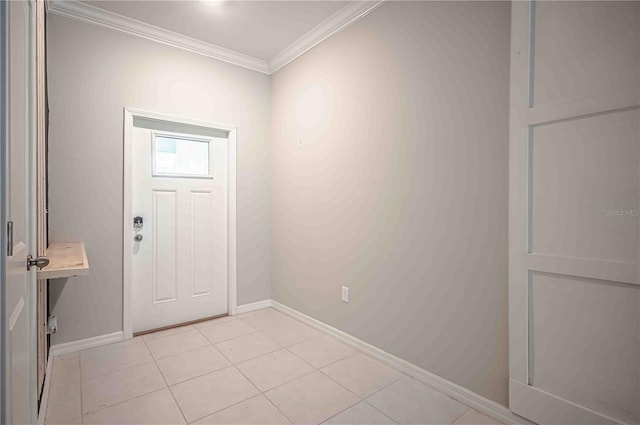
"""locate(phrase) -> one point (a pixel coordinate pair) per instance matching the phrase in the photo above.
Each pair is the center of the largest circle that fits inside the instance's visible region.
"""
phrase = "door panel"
(202, 242)
(574, 225)
(179, 268)
(596, 43)
(19, 309)
(583, 172)
(579, 350)
(164, 258)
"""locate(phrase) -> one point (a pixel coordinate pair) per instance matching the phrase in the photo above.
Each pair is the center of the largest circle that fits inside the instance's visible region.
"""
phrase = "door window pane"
(175, 156)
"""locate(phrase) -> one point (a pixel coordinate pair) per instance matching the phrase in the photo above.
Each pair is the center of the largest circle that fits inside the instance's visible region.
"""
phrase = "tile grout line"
(123, 401)
(247, 378)
(262, 393)
(318, 369)
(336, 361)
(315, 369)
(380, 389)
(368, 395)
(203, 373)
(460, 415)
(180, 352)
(234, 366)
(228, 339)
(356, 352)
(209, 344)
(102, 375)
(154, 360)
(366, 399)
(321, 331)
(165, 382)
(282, 383)
(53, 386)
(380, 411)
(281, 347)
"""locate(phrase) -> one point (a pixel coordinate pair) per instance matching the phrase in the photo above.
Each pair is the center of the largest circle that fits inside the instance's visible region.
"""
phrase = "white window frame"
(180, 136)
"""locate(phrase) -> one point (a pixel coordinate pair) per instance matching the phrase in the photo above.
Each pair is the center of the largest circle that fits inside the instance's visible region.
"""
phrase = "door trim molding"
(127, 213)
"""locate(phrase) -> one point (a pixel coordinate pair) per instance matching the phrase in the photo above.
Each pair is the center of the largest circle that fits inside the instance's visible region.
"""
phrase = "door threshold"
(179, 325)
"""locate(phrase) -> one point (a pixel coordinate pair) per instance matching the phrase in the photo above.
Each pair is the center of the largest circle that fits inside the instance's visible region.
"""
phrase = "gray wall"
(93, 74)
(389, 175)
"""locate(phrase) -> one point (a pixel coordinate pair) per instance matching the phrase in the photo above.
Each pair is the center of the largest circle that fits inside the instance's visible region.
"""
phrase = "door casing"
(127, 216)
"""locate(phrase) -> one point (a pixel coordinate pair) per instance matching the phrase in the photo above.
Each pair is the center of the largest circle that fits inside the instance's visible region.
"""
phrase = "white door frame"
(127, 216)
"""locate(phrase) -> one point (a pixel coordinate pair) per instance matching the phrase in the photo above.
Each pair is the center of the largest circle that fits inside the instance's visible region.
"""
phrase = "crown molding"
(333, 24)
(96, 16)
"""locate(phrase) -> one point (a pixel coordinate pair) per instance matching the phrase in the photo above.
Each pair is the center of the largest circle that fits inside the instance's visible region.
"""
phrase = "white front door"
(180, 228)
(19, 350)
(574, 236)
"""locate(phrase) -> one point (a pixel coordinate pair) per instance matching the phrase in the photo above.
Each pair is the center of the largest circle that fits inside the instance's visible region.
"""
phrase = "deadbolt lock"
(137, 222)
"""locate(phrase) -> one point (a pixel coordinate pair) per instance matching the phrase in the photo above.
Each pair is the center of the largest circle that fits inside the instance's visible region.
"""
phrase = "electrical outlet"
(345, 294)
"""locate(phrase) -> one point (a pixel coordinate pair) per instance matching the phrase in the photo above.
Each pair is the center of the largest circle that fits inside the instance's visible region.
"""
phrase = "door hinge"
(9, 238)
(52, 325)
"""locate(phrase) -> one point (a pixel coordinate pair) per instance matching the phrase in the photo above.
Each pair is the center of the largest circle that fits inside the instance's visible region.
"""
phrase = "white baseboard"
(468, 397)
(258, 305)
(83, 344)
(42, 411)
(96, 341)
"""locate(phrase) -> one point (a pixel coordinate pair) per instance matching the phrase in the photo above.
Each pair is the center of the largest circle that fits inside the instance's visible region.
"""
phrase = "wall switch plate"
(345, 294)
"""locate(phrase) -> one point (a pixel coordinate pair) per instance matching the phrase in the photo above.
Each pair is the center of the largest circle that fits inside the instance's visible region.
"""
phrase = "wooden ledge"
(66, 259)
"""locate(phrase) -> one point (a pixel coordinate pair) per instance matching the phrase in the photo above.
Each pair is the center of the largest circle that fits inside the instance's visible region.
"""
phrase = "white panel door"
(574, 280)
(180, 253)
(19, 349)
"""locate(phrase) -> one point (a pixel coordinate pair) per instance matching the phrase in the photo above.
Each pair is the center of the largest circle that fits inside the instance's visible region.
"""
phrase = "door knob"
(39, 262)
(137, 237)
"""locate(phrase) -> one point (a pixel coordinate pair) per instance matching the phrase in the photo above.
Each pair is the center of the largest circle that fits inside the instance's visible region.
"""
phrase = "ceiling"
(260, 29)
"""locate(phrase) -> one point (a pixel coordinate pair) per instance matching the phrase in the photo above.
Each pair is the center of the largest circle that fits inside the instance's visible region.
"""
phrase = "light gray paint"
(93, 74)
(389, 175)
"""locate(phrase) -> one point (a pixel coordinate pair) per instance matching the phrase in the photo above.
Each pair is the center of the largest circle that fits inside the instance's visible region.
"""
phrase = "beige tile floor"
(257, 368)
